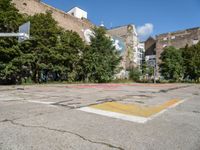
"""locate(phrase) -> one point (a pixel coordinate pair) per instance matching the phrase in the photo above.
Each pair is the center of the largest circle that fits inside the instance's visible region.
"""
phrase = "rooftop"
(179, 31)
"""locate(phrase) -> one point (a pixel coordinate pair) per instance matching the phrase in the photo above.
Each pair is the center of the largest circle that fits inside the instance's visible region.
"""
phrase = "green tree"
(44, 33)
(147, 71)
(171, 67)
(50, 54)
(135, 74)
(151, 71)
(68, 56)
(100, 59)
(10, 20)
(191, 56)
(55, 52)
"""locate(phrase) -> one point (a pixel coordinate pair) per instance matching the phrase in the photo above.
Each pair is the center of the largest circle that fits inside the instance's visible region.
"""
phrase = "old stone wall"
(129, 37)
(150, 46)
(177, 39)
(64, 20)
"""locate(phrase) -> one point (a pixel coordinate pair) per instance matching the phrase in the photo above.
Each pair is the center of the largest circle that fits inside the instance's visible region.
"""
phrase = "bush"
(135, 74)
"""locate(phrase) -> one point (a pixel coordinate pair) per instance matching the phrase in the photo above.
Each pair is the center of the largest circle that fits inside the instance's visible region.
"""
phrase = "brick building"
(64, 19)
(178, 39)
(76, 20)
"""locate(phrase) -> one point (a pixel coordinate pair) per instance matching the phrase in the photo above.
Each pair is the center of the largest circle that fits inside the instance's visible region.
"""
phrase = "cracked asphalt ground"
(46, 117)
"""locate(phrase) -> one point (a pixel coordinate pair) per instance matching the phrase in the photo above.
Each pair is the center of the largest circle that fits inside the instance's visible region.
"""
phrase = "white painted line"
(161, 112)
(40, 102)
(115, 115)
(131, 118)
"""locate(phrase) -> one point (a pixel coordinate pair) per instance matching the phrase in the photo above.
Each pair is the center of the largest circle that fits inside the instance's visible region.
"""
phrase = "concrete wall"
(64, 20)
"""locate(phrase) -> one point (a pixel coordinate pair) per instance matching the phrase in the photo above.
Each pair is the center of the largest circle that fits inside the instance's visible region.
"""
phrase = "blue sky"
(151, 16)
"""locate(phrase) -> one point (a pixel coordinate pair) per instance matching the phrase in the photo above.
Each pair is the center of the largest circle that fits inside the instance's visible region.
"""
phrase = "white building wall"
(140, 53)
(135, 45)
(78, 13)
(138, 49)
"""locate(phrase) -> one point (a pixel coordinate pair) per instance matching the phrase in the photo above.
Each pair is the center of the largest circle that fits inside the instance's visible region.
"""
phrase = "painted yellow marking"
(133, 109)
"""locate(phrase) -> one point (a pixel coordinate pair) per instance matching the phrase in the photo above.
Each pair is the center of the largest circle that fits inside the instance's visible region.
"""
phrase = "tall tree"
(135, 74)
(50, 54)
(68, 55)
(44, 37)
(191, 56)
(55, 52)
(171, 67)
(10, 20)
(100, 59)
(147, 70)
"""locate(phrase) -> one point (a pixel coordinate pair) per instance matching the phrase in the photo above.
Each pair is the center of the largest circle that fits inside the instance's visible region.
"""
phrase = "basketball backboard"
(24, 31)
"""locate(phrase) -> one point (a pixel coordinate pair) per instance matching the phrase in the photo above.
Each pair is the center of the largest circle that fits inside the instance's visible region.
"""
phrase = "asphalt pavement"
(56, 117)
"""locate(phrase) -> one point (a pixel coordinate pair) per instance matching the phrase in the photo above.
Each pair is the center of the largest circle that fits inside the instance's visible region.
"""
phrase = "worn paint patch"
(133, 109)
(131, 112)
(115, 115)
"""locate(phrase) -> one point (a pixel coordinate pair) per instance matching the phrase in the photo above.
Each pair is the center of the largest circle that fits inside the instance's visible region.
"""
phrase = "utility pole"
(155, 69)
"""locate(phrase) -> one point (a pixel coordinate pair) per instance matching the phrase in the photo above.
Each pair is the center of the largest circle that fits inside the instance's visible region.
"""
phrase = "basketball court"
(100, 116)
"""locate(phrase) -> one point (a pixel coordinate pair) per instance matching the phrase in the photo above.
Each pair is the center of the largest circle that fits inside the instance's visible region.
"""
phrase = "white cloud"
(145, 31)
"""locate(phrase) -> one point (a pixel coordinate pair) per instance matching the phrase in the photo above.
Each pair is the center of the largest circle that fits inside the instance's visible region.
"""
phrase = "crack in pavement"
(8, 120)
(174, 88)
(36, 115)
(5, 120)
(62, 131)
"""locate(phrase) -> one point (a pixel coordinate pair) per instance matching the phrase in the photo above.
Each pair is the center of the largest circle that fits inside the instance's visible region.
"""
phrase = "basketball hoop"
(23, 34)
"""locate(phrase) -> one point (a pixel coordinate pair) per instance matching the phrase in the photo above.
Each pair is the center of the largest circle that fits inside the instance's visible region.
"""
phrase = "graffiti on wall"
(119, 44)
(87, 35)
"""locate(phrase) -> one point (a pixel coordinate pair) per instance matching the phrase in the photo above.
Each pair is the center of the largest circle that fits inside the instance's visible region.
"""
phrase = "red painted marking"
(112, 86)
(101, 86)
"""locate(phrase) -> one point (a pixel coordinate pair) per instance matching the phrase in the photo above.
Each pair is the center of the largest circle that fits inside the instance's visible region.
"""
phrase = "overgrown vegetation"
(52, 54)
(172, 67)
(191, 58)
(181, 64)
(135, 74)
